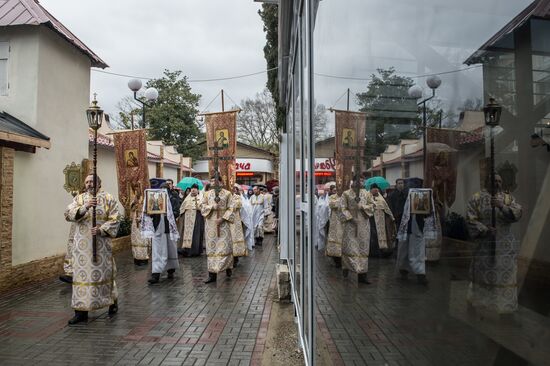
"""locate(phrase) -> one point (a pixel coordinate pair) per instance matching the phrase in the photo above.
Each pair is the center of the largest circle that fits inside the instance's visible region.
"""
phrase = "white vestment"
(323, 214)
(164, 248)
(258, 204)
(246, 217)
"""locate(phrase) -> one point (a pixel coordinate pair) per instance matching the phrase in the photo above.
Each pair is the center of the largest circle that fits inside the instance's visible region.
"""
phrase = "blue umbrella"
(381, 182)
(187, 182)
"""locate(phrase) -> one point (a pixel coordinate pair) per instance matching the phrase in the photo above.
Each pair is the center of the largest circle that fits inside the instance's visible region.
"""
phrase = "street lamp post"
(492, 113)
(416, 92)
(151, 95)
(95, 117)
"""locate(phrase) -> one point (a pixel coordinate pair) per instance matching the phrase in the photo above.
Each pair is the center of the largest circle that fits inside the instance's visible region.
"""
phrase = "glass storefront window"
(430, 223)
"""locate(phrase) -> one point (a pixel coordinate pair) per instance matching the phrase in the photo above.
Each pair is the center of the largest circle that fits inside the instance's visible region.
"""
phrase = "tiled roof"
(30, 12)
(473, 137)
(21, 136)
(538, 8)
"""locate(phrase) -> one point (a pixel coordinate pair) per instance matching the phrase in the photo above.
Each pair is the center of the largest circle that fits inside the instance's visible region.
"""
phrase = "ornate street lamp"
(95, 117)
(492, 112)
(151, 95)
(416, 92)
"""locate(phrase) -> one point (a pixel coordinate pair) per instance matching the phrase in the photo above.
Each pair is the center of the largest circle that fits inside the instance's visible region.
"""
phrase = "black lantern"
(492, 113)
(95, 117)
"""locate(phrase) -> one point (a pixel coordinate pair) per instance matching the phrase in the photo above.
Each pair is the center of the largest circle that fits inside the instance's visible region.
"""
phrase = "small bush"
(455, 226)
(125, 226)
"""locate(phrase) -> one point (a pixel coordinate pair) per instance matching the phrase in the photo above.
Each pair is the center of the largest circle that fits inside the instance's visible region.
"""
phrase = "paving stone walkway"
(395, 322)
(177, 322)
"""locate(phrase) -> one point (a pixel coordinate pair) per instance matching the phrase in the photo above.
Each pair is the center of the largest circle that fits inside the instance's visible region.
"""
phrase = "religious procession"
(193, 217)
(274, 182)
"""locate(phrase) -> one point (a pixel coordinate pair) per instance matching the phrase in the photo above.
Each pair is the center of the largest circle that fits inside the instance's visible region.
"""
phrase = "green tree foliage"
(173, 117)
(392, 114)
(270, 18)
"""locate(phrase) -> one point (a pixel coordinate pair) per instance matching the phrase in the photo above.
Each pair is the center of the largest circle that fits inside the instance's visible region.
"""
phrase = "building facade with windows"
(378, 51)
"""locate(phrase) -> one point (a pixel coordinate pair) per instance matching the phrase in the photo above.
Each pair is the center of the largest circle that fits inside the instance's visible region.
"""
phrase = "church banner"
(350, 146)
(221, 139)
(131, 164)
(442, 162)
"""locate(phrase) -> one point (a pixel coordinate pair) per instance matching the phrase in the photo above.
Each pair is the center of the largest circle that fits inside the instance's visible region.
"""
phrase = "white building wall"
(58, 75)
(392, 173)
(416, 169)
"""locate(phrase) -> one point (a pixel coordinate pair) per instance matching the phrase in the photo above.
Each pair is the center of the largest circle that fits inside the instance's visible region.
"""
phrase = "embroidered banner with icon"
(131, 165)
(350, 146)
(441, 163)
(221, 139)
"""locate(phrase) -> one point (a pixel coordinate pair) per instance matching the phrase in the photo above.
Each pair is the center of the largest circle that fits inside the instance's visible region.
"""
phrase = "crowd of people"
(354, 225)
(226, 225)
(359, 223)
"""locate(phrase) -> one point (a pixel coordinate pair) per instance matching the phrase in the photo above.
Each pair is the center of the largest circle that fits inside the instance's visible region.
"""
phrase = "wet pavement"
(176, 322)
(396, 322)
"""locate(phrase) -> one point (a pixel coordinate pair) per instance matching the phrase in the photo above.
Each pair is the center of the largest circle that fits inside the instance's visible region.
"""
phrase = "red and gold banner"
(350, 145)
(442, 162)
(221, 137)
(131, 165)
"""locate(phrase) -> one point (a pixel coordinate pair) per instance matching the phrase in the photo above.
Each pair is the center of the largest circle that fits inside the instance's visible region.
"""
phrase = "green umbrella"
(381, 182)
(187, 182)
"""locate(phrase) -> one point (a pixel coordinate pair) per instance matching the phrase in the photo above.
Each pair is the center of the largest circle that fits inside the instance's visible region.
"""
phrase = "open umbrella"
(187, 182)
(329, 184)
(381, 182)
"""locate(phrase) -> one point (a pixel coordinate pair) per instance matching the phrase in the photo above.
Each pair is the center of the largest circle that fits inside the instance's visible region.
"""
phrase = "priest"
(233, 216)
(193, 224)
(93, 281)
(336, 228)
(140, 245)
(259, 210)
(162, 229)
(219, 250)
(357, 208)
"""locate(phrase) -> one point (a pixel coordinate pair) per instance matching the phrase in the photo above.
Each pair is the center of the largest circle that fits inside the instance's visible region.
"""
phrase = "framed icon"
(222, 138)
(348, 137)
(421, 201)
(131, 158)
(155, 201)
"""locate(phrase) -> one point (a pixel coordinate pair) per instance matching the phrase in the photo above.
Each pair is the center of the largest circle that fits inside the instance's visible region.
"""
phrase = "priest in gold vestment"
(233, 215)
(219, 250)
(93, 282)
(357, 209)
(336, 228)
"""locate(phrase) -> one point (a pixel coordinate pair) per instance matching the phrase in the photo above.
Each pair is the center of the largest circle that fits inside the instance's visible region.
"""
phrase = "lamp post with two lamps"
(151, 95)
(94, 115)
(416, 92)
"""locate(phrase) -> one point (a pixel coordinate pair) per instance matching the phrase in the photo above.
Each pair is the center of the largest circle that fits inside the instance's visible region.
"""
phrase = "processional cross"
(217, 187)
(356, 182)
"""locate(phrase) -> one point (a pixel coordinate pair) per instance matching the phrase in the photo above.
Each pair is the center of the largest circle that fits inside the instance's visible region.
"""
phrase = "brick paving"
(178, 322)
(396, 322)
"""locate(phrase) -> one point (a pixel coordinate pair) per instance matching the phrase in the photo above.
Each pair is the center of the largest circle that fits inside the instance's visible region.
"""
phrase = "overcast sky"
(355, 37)
(204, 38)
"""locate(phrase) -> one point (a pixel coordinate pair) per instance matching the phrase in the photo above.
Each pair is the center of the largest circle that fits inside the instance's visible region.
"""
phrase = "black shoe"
(345, 273)
(79, 317)
(362, 278)
(137, 262)
(337, 262)
(421, 279)
(171, 274)
(235, 261)
(113, 308)
(66, 278)
(211, 277)
(229, 272)
(404, 274)
(144, 262)
(155, 278)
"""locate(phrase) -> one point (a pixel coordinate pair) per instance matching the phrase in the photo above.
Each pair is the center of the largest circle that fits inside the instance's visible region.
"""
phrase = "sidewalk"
(178, 322)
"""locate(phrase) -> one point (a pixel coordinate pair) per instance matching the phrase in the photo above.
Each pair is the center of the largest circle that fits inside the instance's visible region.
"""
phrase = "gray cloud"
(203, 38)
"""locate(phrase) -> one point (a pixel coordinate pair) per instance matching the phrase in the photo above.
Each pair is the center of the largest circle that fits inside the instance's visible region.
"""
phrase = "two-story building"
(44, 93)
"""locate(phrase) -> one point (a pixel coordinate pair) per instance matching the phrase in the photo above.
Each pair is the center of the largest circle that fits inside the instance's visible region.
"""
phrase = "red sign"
(324, 174)
(327, 164)
(242, 166)
(245, 174)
